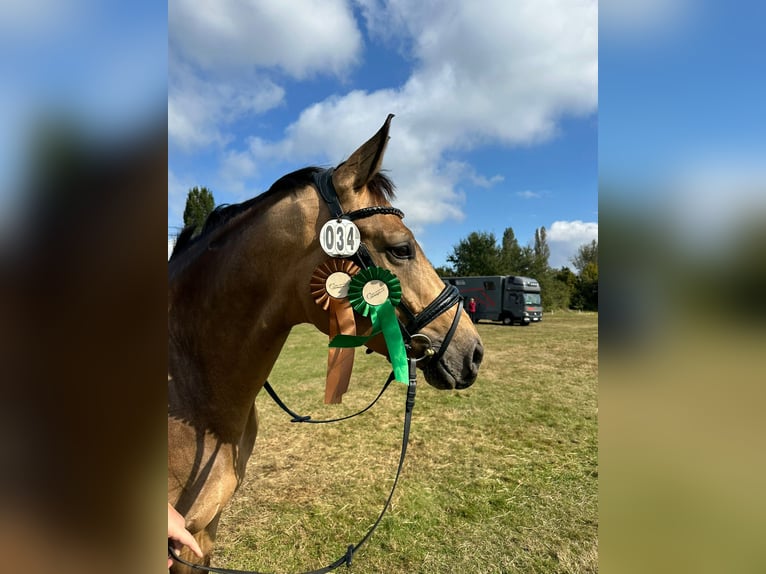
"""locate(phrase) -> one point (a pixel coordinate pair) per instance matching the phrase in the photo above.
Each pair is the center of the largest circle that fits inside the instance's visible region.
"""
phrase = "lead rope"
(352, 548)
(307, 418)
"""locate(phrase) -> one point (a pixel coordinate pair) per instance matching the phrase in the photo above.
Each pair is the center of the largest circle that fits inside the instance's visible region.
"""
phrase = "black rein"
(352, 548)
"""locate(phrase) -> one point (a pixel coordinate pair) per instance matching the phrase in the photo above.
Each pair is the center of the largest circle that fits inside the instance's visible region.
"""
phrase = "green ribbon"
(382, 315)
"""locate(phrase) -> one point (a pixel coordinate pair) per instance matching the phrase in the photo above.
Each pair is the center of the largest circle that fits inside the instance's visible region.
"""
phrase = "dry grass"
(501, 477)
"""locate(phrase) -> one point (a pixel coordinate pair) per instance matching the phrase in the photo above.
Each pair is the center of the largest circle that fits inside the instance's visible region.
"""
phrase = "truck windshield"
(531, 298)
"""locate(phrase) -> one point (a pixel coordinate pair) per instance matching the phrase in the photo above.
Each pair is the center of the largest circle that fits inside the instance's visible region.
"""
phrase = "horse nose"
(471, 368)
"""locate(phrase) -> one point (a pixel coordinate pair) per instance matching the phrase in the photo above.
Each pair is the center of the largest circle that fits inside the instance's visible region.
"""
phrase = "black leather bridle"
(448, 297)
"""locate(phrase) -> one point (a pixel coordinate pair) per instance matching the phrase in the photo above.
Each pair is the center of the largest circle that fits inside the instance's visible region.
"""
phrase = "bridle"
(448, 297)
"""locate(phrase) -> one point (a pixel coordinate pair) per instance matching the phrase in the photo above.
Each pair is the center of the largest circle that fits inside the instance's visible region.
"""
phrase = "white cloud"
(504, 74)
(529, 194)
(221, 52)
(236, 167)
(299, 37)
(566, 237)
(199, 110)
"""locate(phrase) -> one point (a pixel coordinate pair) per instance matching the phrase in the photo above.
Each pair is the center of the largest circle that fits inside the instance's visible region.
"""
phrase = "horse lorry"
(506, 298)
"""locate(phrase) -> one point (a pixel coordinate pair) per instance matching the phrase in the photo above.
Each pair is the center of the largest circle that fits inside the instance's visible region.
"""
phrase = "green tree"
(514, 259)
(586, 254)
(510, 253)
(567, 277)
(585, 295)
(541, 253)
(555, 293)
(478, 254)
(199, 204)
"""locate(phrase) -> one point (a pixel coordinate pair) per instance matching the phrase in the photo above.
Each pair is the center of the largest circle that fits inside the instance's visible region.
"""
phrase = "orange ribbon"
(329, 286)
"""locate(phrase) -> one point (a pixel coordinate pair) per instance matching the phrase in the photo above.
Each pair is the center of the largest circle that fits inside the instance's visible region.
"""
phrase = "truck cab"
(522, 301)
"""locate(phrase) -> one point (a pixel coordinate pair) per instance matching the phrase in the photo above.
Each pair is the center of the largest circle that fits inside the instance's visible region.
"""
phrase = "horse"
(237, 288)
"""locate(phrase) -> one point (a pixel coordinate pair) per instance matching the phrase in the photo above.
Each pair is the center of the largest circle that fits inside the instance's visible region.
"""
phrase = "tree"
(199, 204)
(478, 254)
(541, 253)
(555, 293)
(514, 259)
(510, 253)
(565, 276)
(587, 253)
(585, 295)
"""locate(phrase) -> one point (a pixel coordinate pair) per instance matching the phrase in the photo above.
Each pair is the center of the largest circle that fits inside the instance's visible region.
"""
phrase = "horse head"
(435, 327)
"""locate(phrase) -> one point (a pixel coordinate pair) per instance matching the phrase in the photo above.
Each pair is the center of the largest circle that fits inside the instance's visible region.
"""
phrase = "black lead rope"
(352, 548)
(307, 418)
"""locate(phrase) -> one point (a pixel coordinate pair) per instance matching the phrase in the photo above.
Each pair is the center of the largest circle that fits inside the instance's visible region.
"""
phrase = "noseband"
(449, 296)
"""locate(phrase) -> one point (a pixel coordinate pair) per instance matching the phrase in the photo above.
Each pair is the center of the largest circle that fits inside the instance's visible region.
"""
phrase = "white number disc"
(339, 238)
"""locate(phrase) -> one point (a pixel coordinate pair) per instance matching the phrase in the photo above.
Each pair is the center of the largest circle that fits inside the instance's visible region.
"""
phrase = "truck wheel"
(507, 320)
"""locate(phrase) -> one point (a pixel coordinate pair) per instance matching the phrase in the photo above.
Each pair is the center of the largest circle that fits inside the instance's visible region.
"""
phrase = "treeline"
(480, 254)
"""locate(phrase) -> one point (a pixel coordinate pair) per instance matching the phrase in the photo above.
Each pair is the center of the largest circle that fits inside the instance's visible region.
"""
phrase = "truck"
(506, 298)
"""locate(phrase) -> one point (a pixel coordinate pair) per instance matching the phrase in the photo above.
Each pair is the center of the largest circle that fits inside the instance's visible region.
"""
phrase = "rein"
(307, 418)
(352, 548)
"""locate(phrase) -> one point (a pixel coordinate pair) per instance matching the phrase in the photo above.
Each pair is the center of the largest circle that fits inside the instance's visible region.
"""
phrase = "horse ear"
(364, 163)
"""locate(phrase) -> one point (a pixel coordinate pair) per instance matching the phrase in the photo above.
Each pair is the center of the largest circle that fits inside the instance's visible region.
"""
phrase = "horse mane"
(381, 188)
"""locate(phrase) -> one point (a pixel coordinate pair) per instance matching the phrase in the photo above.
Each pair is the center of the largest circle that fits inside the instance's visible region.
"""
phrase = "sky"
(508, 115)
(495, 103)
(682, 120)
(77, 60)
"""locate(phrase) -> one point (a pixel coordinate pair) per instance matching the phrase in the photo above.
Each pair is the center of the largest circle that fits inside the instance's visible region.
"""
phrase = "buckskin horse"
(238, 287)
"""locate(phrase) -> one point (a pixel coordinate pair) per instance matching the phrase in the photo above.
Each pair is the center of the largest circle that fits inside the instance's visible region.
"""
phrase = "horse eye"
(401, 251)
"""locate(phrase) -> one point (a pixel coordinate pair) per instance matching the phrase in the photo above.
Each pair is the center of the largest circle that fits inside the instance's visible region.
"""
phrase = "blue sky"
(496, 107)
(680, 82)
(499, 110)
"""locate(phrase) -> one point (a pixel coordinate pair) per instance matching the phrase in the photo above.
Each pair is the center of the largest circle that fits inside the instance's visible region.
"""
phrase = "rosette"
(329, 287)
(373, 293)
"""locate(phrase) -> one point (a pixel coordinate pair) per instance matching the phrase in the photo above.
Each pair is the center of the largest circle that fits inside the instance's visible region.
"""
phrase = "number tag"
(339, 238)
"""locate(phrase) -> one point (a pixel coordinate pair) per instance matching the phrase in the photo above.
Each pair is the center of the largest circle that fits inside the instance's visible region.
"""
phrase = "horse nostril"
(478, 355)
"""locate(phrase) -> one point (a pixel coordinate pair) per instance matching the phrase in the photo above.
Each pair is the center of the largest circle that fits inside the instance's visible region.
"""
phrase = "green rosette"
(373, 293)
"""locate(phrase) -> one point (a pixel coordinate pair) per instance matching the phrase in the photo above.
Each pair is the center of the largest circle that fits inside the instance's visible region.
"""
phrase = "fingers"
(178, 533)
(184, 537)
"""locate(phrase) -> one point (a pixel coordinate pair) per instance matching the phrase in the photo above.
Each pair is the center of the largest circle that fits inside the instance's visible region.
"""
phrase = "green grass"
(501, 477)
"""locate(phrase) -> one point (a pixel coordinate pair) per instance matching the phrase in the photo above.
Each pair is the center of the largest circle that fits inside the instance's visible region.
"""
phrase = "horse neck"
(232, 307)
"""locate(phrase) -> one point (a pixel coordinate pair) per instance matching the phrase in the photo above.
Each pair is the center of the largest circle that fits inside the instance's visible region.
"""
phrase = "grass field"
(501, 477)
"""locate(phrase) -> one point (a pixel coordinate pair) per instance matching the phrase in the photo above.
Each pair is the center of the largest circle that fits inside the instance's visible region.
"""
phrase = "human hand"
(178, 534)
